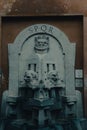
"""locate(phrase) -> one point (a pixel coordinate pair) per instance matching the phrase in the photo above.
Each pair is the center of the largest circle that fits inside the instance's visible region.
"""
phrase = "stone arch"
(67, 48)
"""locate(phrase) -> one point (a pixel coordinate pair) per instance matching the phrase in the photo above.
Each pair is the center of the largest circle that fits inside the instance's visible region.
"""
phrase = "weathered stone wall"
(26, 7)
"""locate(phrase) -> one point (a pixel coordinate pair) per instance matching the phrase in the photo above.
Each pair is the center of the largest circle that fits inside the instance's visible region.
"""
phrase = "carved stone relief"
(41, 92)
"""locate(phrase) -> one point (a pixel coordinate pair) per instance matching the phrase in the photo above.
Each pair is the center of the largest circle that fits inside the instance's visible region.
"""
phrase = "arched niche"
(22, 53)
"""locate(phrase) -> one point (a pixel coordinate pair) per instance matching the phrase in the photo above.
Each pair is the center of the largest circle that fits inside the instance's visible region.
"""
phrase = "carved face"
(30, 75)
(53, 76)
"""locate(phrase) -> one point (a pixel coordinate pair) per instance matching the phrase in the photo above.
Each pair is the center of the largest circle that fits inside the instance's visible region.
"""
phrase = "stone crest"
(41, 43)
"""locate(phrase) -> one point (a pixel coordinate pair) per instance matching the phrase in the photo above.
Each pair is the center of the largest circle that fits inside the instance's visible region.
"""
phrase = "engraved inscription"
(42, 28)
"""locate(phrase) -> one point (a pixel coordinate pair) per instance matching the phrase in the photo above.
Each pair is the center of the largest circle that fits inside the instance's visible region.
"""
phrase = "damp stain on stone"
(6, 6)
(24, 7)
(38, 7)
